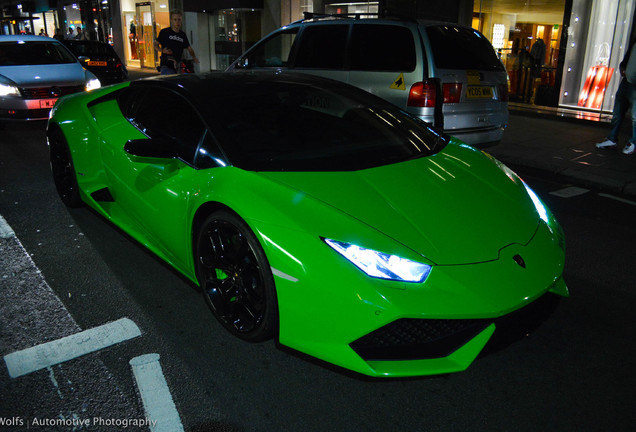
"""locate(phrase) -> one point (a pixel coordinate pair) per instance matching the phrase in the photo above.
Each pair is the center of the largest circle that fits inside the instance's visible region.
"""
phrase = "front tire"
(63, 170)
(235, 277)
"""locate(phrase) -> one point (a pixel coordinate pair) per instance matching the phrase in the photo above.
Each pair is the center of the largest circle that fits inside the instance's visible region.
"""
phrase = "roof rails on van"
(318, 16)
(311, 16)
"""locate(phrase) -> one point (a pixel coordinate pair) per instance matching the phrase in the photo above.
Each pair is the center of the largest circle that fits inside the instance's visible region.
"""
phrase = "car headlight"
(381, 265)
(93, 84)
(9, 90)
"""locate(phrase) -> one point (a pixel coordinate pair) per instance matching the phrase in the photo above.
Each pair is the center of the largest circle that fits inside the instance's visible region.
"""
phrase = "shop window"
(526, 36)
(598, 38)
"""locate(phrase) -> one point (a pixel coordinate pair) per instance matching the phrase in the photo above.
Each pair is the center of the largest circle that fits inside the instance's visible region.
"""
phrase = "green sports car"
(313, 212)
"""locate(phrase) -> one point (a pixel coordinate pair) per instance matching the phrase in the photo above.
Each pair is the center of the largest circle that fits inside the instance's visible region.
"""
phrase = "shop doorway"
(146, 33)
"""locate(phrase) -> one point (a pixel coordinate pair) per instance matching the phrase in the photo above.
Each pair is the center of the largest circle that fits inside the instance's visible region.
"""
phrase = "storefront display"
(141, 23)
(561, 53)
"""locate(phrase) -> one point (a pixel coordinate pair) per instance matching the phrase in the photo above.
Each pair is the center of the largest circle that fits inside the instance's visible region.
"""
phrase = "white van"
(446, 74)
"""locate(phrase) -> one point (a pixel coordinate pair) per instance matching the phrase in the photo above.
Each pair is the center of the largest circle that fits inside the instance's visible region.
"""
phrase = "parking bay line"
(615, 198)
(41, 356)
(155, 394)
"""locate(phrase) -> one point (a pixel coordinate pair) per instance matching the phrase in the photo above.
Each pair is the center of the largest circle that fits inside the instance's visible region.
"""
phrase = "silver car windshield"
(28, 53)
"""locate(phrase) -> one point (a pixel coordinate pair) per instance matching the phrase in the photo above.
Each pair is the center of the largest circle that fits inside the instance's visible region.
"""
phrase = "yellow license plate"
(97, 63)
(47, 103)
(473, 92)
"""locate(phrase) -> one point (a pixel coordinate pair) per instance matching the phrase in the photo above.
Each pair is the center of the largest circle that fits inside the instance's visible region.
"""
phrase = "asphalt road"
(574, 372)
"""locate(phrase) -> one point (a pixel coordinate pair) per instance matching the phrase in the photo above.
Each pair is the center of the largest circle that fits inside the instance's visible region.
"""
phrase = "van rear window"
(462, 48)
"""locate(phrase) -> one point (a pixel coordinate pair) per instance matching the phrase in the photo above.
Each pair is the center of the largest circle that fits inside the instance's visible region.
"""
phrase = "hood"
(45, 75)
(455, 207)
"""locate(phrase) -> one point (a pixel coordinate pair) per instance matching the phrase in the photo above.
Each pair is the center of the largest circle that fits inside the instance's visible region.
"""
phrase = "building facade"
(558, 53)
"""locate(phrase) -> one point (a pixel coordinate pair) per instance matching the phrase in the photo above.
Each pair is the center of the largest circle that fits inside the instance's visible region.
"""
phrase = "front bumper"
(34, 103)
(436, 327)
(20, 109)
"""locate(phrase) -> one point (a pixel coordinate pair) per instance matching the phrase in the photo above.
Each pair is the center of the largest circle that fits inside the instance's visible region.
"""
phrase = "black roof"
(198, 88)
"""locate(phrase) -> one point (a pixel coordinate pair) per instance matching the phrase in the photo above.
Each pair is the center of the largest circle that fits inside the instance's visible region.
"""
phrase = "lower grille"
(411, 339)
(420, 339)
(49, 92)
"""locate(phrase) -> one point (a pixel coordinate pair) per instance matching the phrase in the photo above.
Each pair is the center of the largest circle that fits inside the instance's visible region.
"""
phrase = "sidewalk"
(566, 148)
(558, 146)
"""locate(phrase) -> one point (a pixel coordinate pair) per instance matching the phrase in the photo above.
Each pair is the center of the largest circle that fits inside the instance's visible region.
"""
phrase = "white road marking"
(569, 192)
(155, 394)
(67, 348)
(623, 200)
(5, 229)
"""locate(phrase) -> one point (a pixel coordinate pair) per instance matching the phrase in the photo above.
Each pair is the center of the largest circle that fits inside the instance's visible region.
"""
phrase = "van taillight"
(422, 94)
(503, 92)
(452, 92)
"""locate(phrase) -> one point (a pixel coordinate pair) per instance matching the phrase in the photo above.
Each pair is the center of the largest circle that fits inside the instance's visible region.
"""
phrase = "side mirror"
(157, 148)
(83, 59)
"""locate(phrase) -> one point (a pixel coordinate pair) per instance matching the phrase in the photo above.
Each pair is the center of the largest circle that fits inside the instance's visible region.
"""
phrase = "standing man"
(171, 42)
(80, 34)
(625, 98)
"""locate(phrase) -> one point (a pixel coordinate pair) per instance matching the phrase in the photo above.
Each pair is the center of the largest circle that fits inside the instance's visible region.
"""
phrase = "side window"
(166, 115)
(273, 52)
(208, 154)
(129, 101)
(322, 47)
(376, 47)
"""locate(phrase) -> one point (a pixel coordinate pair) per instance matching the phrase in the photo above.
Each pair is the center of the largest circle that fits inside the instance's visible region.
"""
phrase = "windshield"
(281, 126)
(24, 53)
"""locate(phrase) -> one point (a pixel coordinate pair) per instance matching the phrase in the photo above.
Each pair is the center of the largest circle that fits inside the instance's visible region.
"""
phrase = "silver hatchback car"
(34, 72)
(446, 74)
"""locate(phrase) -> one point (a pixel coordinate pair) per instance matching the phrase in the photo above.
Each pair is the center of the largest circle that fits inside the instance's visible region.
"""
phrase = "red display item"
(597, 80)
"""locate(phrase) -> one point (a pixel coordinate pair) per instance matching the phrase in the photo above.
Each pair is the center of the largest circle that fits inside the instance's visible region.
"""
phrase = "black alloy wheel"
(63, 170)
(235, 277)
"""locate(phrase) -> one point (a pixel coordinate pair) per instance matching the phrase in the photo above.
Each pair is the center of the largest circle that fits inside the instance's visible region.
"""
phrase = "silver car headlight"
(381, 265)
(9, 90)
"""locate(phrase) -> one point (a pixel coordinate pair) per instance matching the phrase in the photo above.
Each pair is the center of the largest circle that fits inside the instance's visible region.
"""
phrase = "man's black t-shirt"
(177, 42)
